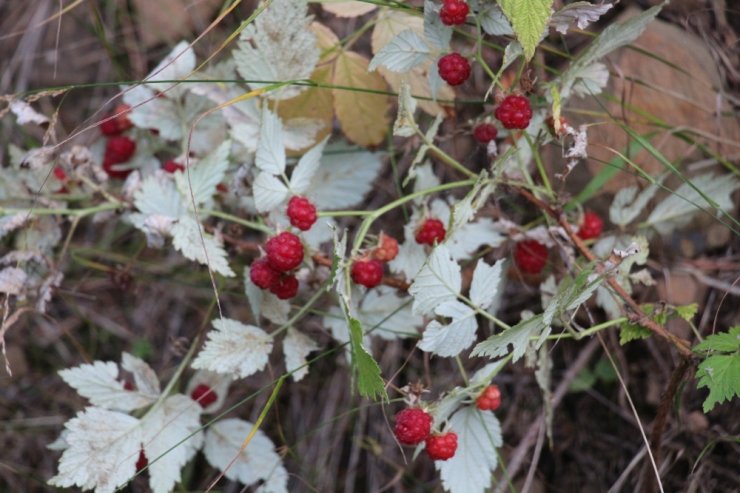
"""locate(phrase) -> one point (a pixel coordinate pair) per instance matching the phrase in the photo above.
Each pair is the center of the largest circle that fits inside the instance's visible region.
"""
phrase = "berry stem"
(344, 213)
(238, 220)
(446, 158)
(540, 164)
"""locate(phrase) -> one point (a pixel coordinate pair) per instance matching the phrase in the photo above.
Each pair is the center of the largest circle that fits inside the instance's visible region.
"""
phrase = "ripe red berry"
(490, 399)
(142, 461)
(454, 69)
(431, 231)
(442, 447)
(118, 150)
(285, 287)
(108, 167)
(485, 133)
(387, 248)
(284, 251)
(514, 112)
(412, 426)
(369, 272)
(118, 121)
(302, 213)
(128, 385)
(454, 12)
(591, 227)
(530, 256)
(203, 395)
(262, 274)
(172, 166)
(59, 173)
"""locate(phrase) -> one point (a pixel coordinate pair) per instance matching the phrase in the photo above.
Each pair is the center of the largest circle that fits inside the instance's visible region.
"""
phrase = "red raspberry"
(485, 133)
(284, 251)
(203, 395)
(118, 121)
(142, 461)
(514, 112)
(262, 274)
(591, 226)
(387, 248)
(59, 173)
(530, 256)
(302, 213)
(454, 69)
(442, 447)
(431, 231)
(108, 167)
(369, 273)
(454, 12)
(412, 426)
(119, 149)
(490, 399)
(128, 385)
(172, 166)
(285, 287)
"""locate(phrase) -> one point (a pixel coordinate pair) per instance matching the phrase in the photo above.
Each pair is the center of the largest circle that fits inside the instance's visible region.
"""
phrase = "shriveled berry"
(284, 251)
(301, 212)
(142, 461)
(387, 248)
(368, 273)
(591, 227)
(430, 232)
(203, 395)
(453, 12)
(262, 274)
(172, 166)
(530, 256)
(489, 399)
(412, 426)
(514, 112)
(454, 69)
(285, 287)
(485, 133)
(441, 447)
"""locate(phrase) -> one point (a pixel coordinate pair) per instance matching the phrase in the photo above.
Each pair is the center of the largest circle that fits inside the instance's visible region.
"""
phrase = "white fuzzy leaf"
(144, 377)
(269, 192)
(296, 347)
(347, 8)
(270, 150)
(234, 348)
(402, 53)
(98, 382)
(168, 444)
(404, 125)
(343, 179)
(149, 111)
(470, 470)
(304, 171)
(497, 346)
(451, 339)
(486, 281)
(12, 280)
(588, 81)
(466, 240)
(204, 176)
(627, 204)
(387, 315)
(438, 34)
(681, 206)
(258, 461)
(178, 64)
(579, 13)
(410, 258)
(437, 282)
(494, 22)
(103, 447)
(278, 46)
(158, 196)
(186, 238)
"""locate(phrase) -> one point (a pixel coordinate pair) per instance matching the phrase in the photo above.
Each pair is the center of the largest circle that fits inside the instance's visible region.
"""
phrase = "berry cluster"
(514, 111)
(414, 425)
(453, 12)
(431, 231)
(530, 256)
(284, 253)
(118, 148)
(489, 399)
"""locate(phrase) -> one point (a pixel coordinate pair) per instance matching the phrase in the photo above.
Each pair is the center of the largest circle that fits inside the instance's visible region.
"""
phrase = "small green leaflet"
(629, 332)
(720, 372)
(369, 382)
(529, 19)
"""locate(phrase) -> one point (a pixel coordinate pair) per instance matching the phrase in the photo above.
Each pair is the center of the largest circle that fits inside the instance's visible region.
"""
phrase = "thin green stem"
(305, 308)
(588, 332)
(234, 219)
(344, 213)
(108, 206)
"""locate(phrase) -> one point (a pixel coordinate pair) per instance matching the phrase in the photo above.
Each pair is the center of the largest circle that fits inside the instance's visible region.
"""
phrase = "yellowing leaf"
(417, 80)
(362, 115)
(529, 19)
(390, 22)
(347, 9)
(325, 38)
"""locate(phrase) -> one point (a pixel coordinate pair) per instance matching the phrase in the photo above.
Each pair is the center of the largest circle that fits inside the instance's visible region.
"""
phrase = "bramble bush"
(279, 136)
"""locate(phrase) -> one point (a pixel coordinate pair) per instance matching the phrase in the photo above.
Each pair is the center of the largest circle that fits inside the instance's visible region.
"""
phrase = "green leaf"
(529, 19)
(726, 342)
(518, 336)
(369, 381)
(721, 374)
(631, 332)
(687, 312)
